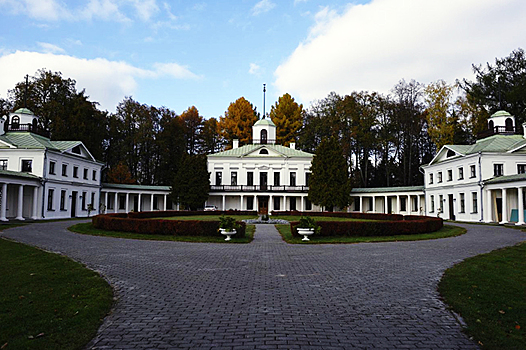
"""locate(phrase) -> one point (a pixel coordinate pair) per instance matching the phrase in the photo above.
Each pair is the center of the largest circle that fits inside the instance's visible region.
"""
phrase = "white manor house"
(44, 179)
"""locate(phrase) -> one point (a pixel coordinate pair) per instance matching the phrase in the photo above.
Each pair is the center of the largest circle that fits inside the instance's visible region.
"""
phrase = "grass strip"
(48, 301)
(489, 292)
(88, 229)
(446, 231)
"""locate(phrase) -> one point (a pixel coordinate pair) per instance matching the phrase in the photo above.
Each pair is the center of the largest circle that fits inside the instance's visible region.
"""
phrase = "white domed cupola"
(264, 132)
(501, 122)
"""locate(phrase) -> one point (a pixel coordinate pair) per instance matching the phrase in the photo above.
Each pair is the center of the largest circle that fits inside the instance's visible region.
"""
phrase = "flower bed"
(384, 225)
(130, 223)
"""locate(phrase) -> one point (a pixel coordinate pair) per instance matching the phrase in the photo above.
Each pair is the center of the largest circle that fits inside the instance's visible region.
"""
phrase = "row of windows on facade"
(462, 208)
(498, 170)
(52, 171)
(263, 178)
(63, 195)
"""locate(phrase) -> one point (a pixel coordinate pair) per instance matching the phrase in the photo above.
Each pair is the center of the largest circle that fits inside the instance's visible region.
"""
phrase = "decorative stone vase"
(228, 234)
(305, 232)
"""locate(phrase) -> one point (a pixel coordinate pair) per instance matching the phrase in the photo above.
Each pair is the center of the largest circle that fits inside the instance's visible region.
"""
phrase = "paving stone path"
(272, 295)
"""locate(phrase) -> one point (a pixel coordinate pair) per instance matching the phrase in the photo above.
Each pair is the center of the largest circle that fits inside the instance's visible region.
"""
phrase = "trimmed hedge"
(393, 226)
(172, 213)
(121, 222)
(363, 216)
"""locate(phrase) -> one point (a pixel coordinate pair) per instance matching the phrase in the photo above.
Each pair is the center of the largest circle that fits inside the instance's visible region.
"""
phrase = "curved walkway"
(269, 294)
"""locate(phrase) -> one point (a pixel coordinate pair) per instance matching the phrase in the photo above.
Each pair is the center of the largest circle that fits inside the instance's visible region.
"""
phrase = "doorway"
(263, 205)
(451, 207)
(74, 204)
(263, 181)
(498, 202)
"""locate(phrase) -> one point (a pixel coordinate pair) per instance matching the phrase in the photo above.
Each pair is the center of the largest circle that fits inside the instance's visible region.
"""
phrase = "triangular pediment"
(264, 151)
(447, 152)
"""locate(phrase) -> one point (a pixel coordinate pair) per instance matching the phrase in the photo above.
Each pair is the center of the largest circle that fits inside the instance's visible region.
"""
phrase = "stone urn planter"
(228, 234)
(305, 232)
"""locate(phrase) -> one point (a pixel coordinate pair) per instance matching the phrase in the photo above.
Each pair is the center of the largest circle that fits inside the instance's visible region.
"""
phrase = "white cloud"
(145, 8)
(106, 82)
(373, 46)
(254, 69)
(262, 7)
(50, 48)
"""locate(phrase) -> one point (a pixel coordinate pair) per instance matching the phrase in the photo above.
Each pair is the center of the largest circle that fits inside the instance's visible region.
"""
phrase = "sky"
(207, 54)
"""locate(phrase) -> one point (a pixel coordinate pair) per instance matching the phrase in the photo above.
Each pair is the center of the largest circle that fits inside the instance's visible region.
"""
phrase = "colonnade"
(491, 215)
(19, 201)
(113, 205)
(386, 198)
(271, 200)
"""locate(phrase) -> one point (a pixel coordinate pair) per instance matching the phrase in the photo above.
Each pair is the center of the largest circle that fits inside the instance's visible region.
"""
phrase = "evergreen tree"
(329, 184)
(192, 182)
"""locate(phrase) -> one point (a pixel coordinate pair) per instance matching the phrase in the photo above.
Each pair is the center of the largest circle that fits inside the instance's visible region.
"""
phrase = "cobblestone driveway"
(269, 294)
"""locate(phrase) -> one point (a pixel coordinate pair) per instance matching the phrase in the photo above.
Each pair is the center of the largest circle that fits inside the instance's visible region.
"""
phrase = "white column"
(116, 203)
(255, 204)
(127, 202)
(408, 205)
(34, 215)
(504, 207)
(151, 202)
(224, 203)
(20, 203)
(520, 207)
(398, 204)
(4, 203)
(361, 204)
(374, 204)
(385, 205)
(164, 203)
(139, 206)
(301, 203)
(270, 202)
(489, 207)
(241, 208)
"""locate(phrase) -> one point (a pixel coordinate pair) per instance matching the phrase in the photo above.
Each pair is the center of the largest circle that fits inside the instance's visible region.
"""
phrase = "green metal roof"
(508, 178)
(265, 122)
(387, 189)
(136, 187)
(24, 111)
(18, 174)
(500, 114)
(247, 149)
(29, 140)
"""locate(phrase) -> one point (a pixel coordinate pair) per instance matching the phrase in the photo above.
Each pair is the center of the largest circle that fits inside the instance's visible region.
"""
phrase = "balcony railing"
(29, 128)
(258, 188)
(263, 141)
(500, 130)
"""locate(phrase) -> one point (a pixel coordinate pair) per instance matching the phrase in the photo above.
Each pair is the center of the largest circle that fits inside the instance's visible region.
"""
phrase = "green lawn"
(446, 231)
(489, 292)
(48, 301)
(206, 217)
(316, 218)
(87, 228)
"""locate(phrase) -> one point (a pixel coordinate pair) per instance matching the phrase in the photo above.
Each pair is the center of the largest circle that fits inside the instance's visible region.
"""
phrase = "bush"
(411, 225)
(120, 222)
(172, 213)
(364, 216)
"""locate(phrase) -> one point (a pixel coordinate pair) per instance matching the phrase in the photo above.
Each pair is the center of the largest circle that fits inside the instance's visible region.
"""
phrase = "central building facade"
(262, 176)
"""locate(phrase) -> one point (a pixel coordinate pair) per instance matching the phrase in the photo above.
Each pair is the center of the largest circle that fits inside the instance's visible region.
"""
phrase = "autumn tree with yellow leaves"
(238, 120)
(288, 117)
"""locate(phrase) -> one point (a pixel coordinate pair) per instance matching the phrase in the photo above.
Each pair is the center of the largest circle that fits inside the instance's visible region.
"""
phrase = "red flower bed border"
(387, 224)
(139, 222)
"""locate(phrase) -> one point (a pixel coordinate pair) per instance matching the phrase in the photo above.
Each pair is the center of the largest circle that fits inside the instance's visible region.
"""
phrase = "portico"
(19, 196)
(505, 198)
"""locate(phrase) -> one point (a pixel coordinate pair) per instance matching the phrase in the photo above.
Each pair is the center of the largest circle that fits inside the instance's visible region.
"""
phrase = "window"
(250, 203)
(233, 178)
(84, 194)
(75, 171)
(263, 151)
(472, 171)
(415, 204)
(432, 204)
(293, 203)
(155, 203)
(3, 164)
(64, 170)
(430, 179)
(450, 175)
(475, 202)
(85, 174)
(461, 173)
(50, 194)
(308, 204)
(521, 168)
(439, 177)
(403, 204)
(52, 167)
(27, 165)
(250, 178)
(276, 180)
(293, 179)
(498, 169)
(95, 175)
(307, 179)
(462, 203)
(63, 200)
(76, 149)
(450, 153)
(264, 136)
(277, 204)
(93, 199)
(122, 202)
(15, 123)
(219, 178)
(110, 201)
(441, 203)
